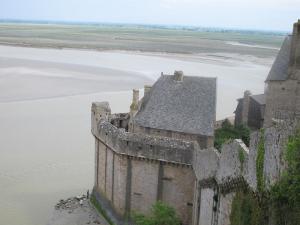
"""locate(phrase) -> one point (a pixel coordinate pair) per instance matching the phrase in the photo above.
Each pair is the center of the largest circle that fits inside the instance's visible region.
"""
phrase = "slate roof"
(187, 106)
(279, 70)
(259, 99)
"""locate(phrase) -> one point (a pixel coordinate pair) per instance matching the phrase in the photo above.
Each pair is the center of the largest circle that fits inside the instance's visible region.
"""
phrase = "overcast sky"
(246, 14)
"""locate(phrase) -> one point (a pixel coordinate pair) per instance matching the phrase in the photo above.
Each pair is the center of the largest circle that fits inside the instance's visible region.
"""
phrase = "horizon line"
(152, 25)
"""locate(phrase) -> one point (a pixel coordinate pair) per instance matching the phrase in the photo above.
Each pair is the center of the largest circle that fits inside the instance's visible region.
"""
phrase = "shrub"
(281, 202)
(285, 194)
(245, 209)
(161, 214)
(228, 132)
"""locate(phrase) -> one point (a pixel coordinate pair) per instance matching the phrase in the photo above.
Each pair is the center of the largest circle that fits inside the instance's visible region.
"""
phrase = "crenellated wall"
(219, 175)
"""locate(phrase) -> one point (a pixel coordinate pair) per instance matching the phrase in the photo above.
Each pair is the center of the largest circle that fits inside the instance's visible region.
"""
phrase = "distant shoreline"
(140, 38)
(141, 25)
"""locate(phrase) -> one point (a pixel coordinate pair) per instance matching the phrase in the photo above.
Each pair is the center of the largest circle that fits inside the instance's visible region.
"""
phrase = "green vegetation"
(99, 208)
(161, 214)
(285, 195)
(245, 209)
(260, 162)
(242, 157)
(281, 203)
(228, 132)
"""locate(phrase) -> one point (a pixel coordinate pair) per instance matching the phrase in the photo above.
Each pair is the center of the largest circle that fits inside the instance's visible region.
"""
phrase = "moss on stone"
(242, 157)
(279, 205)
(285, 194)
(260, 158)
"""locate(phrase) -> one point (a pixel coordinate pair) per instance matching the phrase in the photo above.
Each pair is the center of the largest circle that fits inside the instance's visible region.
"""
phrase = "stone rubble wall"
(228, 172)
(275, 139)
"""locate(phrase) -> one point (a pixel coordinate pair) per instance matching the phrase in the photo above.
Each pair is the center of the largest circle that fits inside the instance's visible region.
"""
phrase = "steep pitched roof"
(261, 99)
(187, 106)
(279, 70)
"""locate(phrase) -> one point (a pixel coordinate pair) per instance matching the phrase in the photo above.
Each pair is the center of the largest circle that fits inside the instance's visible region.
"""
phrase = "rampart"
(135, 170)
(144, 146)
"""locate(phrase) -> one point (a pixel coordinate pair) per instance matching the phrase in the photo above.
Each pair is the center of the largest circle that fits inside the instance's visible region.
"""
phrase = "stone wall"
(282, 100)
(134, 170)
(219, 175)
(275, 139)
(144, 146)
(203, 141)
(256, 114)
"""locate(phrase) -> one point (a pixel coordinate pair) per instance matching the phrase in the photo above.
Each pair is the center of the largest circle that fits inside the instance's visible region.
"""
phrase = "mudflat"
(47, 150)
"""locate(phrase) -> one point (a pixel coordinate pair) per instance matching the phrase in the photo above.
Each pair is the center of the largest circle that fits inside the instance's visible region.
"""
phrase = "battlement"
(222, 169)
(144, 146)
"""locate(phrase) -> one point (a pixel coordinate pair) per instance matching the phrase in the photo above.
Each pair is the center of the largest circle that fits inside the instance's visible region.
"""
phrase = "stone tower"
(283, 82)
(245, 110)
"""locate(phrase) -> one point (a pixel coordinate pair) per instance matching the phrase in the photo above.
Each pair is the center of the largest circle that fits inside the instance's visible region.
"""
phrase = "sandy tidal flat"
(46, 150)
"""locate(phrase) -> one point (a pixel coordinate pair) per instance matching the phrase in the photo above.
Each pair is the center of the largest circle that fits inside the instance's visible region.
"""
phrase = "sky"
(276, 15)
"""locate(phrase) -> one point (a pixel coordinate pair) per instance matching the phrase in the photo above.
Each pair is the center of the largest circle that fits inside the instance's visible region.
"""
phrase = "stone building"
(283, 82)
(146, 155)
(179, 107)
(250, 110)
(281, 100)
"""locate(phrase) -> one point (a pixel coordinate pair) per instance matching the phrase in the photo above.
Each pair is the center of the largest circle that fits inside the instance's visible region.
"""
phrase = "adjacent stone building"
(281, 100)
(250, 110)
(179, 107)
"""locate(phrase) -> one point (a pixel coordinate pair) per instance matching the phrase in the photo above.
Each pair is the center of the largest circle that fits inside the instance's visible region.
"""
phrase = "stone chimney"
(245, 111)
(178, 75)
(295, 51)
(135, 100)
(133, 108)
(147, 88)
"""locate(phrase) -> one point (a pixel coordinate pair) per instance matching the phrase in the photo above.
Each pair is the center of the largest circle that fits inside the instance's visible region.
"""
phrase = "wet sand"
(47, 150)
